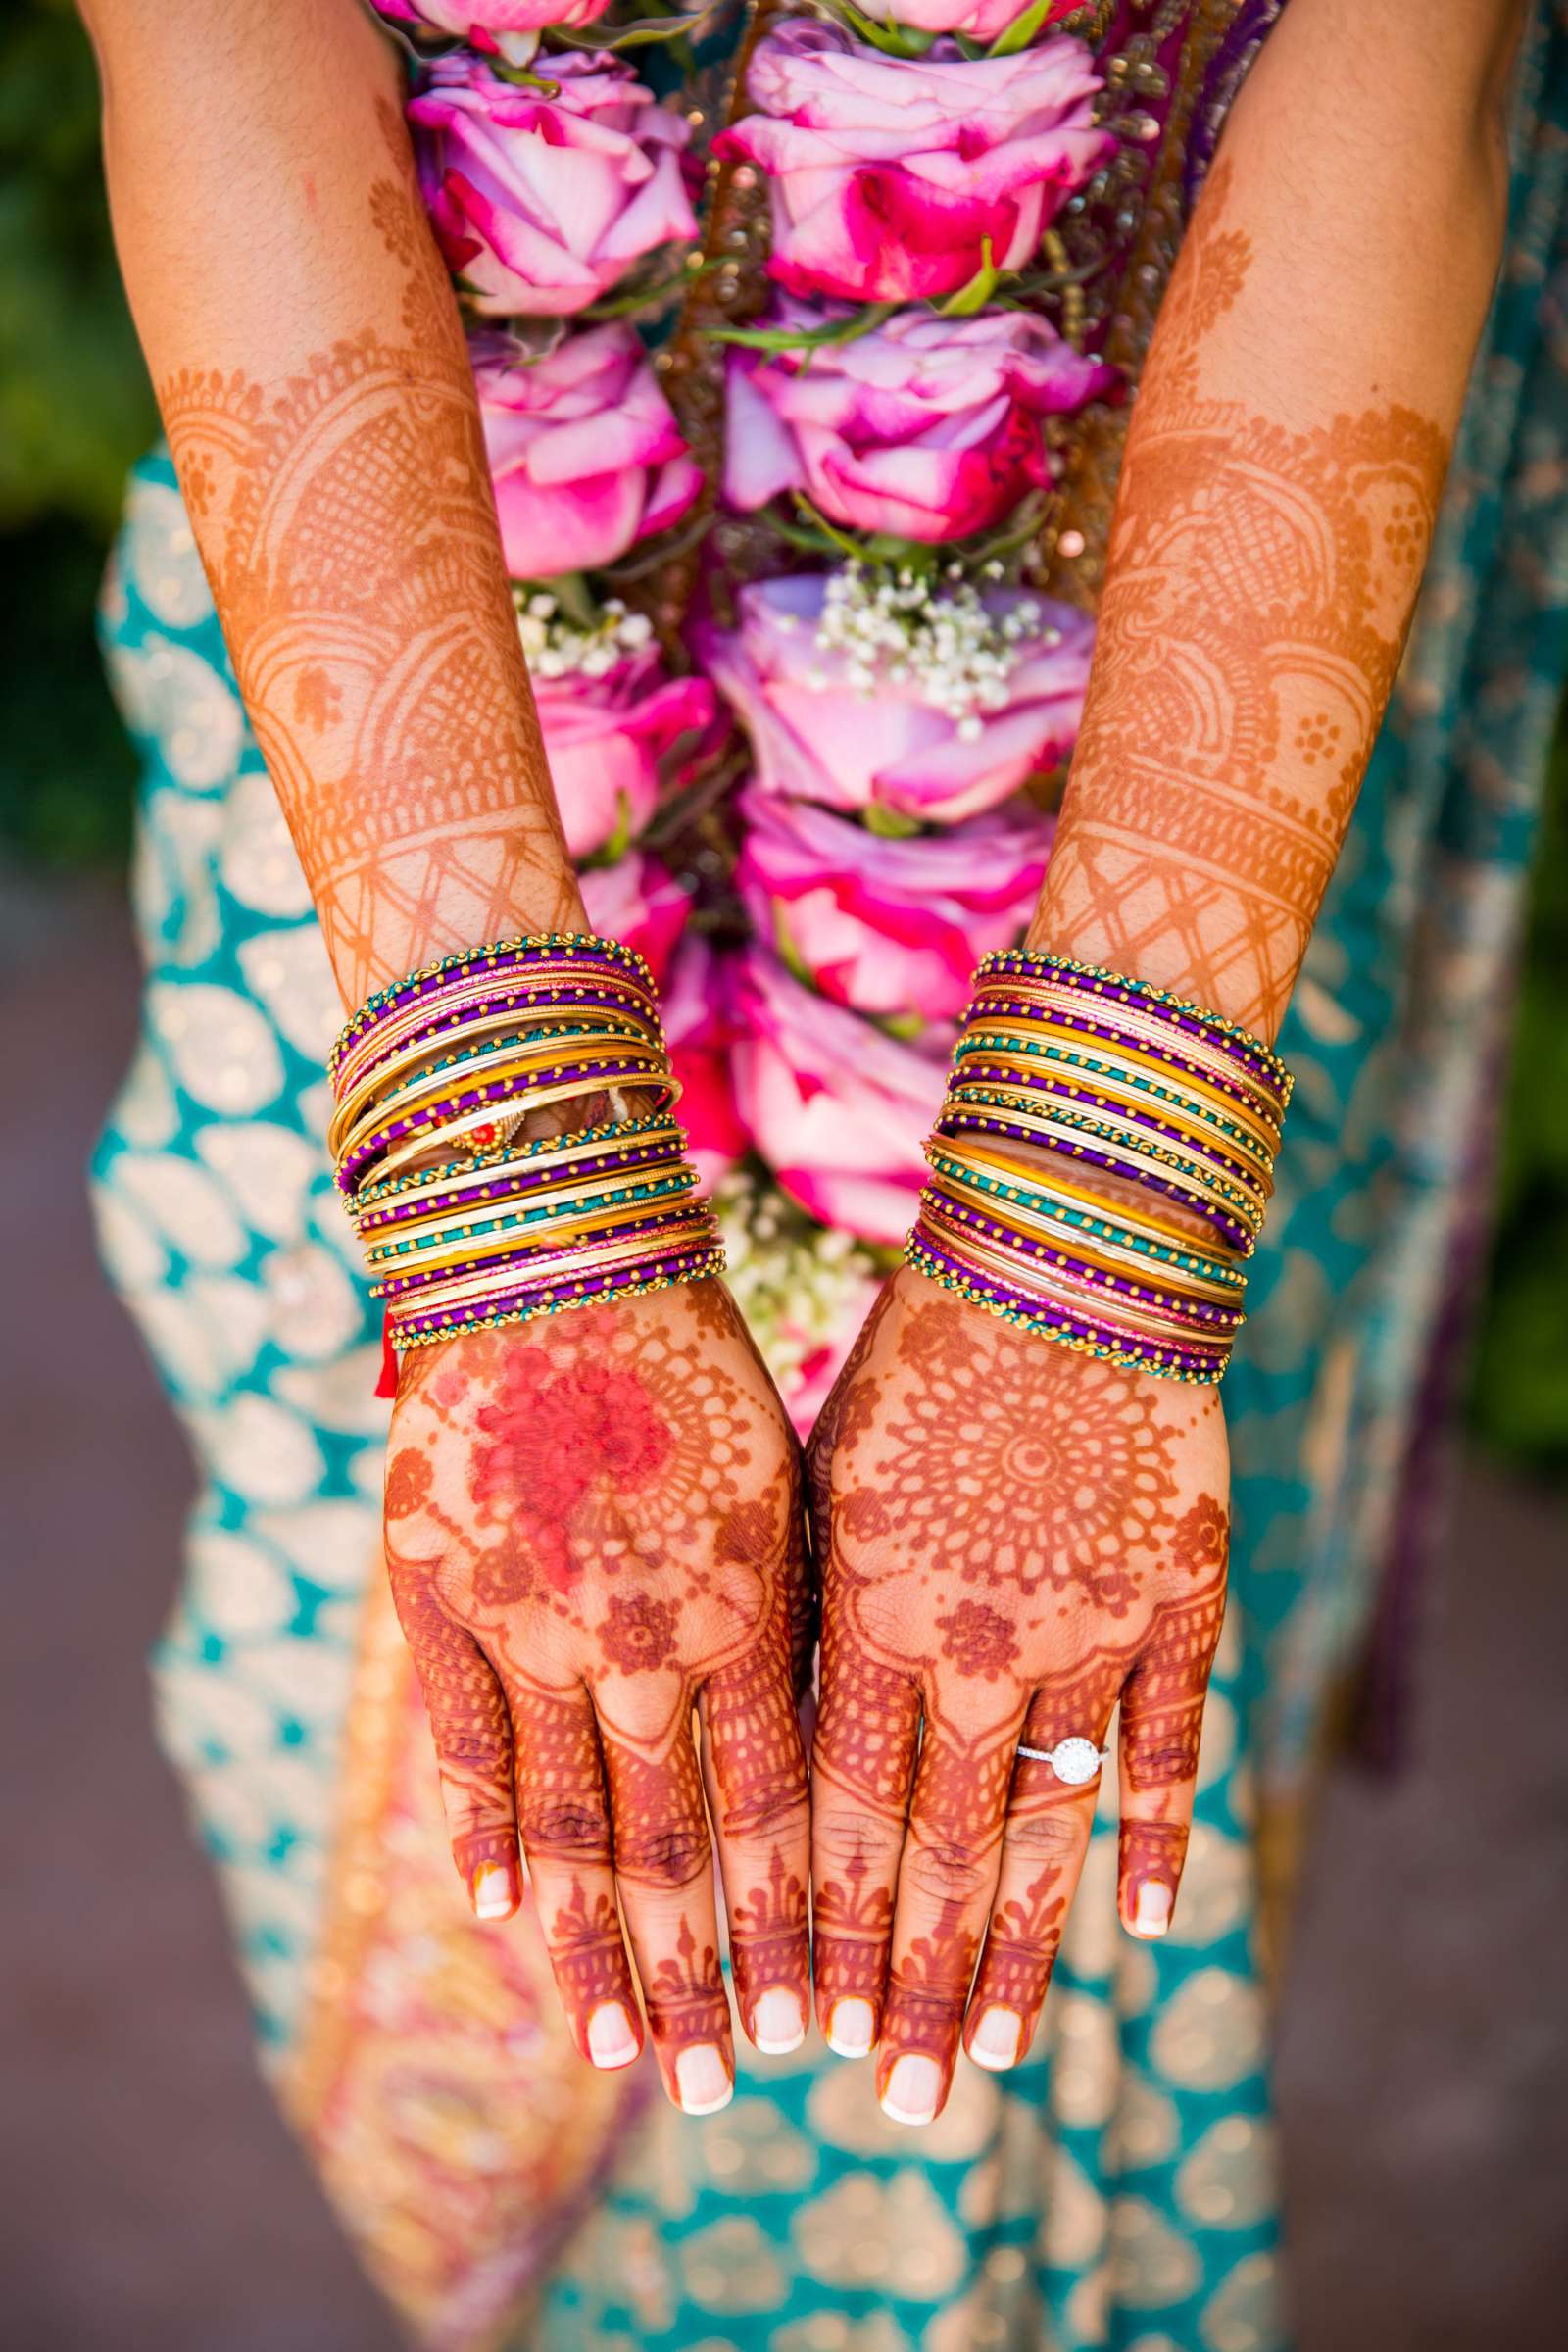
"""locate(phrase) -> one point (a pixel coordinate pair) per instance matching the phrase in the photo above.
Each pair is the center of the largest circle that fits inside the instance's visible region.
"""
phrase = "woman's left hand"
(1013, 1538)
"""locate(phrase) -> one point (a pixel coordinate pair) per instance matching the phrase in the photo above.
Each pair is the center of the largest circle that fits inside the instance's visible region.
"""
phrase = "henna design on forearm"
(1258, 591)
(346, 522)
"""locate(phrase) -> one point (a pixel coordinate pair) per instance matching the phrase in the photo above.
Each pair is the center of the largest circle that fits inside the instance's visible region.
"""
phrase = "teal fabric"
(1119, 2191)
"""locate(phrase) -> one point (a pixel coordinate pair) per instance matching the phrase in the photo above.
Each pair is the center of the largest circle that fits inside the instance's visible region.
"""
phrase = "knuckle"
(1045, 1835)
(772, 1816)
(950, 1873)
(665, 1858)
(570, 1827)
(851, 1839)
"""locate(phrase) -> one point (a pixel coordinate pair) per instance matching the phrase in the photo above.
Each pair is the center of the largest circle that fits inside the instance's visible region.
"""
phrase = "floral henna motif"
(1021, 1946)
(1059, 1489)
(638, 1635)
(1014, 1538)
(345, 518)
(1259, 586)
(978, 1640)
(610, 1510)
(468, 1721)
(1151, 1850)
(587, 1953)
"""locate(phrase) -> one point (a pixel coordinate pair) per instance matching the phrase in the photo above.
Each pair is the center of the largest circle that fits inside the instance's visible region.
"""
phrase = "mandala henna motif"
(1058, 1490)
(595, 1525)
(1014, 1538)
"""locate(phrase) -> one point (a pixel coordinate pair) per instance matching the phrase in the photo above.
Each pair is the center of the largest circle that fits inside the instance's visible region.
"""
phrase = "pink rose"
(979, 20)
(699, 1029)
(837, 1109)
(605, 736)
(926, 428)
(508, 28)
(639, 902)
(541, 204)
(893, 928)
(892, 174)
(888, 728)
(584, 450)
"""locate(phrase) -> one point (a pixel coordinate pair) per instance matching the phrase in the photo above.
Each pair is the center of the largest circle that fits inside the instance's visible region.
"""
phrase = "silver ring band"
(1074, 1761)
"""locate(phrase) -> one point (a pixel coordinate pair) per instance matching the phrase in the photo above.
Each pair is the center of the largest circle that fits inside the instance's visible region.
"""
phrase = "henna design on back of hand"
(595, 1528)
(1014, 1538)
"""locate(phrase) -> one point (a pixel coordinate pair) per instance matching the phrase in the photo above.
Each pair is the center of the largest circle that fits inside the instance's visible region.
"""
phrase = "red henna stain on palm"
(611, 1511)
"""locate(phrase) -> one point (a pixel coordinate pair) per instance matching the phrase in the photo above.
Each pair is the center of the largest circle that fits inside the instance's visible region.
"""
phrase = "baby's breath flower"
(556, 647)
(943, 642)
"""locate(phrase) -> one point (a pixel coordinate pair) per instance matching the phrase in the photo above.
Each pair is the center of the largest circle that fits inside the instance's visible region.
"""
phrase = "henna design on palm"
(594, 1528)
(1014, 1539)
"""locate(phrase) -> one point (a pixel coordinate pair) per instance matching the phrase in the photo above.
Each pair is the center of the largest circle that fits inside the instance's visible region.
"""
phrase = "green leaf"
(890, 823)
(978, 292)
(894, 40)
(1021, 32)
(804, 338)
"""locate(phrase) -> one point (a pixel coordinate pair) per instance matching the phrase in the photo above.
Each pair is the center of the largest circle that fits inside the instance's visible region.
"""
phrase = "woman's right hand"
(593, 1526)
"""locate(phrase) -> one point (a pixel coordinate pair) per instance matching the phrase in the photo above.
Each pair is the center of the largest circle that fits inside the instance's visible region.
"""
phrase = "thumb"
(1161, 1722)
(473, 1733)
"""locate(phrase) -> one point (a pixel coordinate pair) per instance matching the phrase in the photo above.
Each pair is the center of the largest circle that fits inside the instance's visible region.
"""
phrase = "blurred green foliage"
(75, 411)
(1519, 1374)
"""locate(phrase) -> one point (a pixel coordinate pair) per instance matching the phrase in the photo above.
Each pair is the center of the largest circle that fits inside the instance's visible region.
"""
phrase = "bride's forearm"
(1277, 502)
(319, 405)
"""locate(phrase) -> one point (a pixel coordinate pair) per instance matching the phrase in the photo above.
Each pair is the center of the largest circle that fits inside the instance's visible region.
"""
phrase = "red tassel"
(387, 1384)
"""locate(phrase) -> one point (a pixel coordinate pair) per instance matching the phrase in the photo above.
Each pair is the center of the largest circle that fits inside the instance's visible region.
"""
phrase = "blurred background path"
(150, 2199)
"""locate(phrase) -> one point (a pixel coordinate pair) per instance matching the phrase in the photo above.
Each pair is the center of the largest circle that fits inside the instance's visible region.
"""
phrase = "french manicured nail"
(852, 2027)
(703, 2079)
(995, 2039)
(778, 2022)
(915, 2089)
(493, 1898)
(611, 2036)
(1152, 1915)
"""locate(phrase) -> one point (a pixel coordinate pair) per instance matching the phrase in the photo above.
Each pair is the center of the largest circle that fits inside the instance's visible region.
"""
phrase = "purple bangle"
(644, 1228)
(1192, 1363)
(353, 1070)
(582, 1290)
(582, 951)
(978, 1074)
(936, 1209)
(515, 1181)
(1192, 1021)
(953, 1123)
(376, 1146)
(1081, 1022)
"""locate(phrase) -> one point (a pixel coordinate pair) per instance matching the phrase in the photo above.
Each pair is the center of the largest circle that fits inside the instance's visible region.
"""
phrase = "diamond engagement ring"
(1071, 1760)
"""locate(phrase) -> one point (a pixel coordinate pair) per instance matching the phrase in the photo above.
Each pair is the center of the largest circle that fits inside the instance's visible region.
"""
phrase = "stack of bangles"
(1063, 1072)
(465, 1223)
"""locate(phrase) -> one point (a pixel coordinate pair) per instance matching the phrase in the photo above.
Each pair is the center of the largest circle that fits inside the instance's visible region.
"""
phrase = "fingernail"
(493, 1898)
(702, 2080)
(778, 2022)
(914, 2089)
(611, 2036)
(995, 2039)
(1152, 1913)
(851, 2027)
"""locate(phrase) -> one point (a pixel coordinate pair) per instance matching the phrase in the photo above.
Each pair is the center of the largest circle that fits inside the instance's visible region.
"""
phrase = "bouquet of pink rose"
(896, 411)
